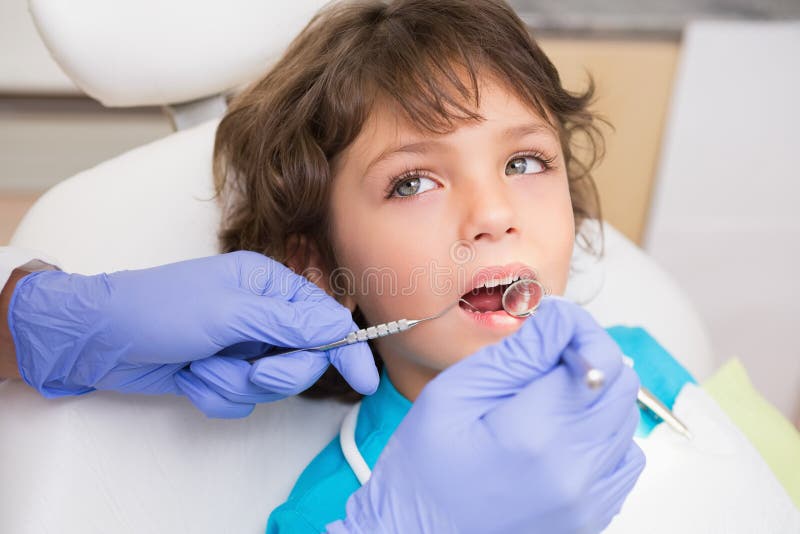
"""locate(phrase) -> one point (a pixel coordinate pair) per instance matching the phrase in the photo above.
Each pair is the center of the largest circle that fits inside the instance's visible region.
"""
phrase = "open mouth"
(484, 299)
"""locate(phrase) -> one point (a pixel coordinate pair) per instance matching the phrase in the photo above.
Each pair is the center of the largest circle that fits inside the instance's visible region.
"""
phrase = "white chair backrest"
(151, 52)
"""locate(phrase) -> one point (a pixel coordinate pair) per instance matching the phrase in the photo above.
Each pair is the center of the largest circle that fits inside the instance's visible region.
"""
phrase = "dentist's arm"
(511, 440)
(8, 355)
(182, 328)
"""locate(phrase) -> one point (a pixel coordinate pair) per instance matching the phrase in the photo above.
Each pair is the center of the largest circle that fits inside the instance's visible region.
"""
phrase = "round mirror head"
(522, 297)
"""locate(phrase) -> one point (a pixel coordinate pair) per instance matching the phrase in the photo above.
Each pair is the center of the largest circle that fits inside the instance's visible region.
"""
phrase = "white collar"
(347, 440)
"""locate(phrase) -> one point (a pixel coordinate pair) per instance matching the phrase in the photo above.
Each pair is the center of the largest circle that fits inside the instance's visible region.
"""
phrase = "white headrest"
(150, 52)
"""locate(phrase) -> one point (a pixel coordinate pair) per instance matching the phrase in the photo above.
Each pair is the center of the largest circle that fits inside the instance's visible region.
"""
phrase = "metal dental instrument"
(646, 398)
(365, 334)
(520, 299)
(651, 402)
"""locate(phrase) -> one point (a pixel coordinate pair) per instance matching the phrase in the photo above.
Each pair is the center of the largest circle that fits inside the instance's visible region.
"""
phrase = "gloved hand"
(511, 440)
(136, 331)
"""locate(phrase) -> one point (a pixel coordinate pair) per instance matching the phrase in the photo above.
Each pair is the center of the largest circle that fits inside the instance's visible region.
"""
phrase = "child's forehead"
(387, 119)
(388, 123)
(376, 145)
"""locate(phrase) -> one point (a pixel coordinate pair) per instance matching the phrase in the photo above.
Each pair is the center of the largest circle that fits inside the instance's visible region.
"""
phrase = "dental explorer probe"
(520, 299)
(365, 334)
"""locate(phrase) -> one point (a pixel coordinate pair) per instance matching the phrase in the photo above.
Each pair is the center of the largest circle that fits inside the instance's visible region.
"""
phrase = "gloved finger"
(151, 379)
(357, 365)
(289, 374)
(611, 410)
(263, 276)
(208, 401)
(612, 451)
(280, 323)
(501, 370)
(610, 492)
(552, 397)
(230, 378)
(531, 420)
(244, 350)
(593, 348)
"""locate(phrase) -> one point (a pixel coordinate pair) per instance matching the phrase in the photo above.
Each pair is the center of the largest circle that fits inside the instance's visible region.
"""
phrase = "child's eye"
(407, 187)
(413, 182)
(526, 164)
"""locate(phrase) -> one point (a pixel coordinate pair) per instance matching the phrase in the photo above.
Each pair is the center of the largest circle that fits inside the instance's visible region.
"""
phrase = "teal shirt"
(320, 494)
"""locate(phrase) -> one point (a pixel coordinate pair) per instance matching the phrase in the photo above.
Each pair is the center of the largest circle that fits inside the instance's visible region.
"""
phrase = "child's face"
(473, 204)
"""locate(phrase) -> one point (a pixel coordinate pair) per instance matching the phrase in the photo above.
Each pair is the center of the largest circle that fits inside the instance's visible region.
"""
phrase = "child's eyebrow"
(419, 147)
(425, 146)
(528, 128)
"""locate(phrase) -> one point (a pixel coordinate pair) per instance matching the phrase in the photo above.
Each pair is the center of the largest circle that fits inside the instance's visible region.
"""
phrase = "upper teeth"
(499, 281)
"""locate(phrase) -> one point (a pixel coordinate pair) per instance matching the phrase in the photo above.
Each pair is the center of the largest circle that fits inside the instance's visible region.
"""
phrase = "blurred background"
(700, 170)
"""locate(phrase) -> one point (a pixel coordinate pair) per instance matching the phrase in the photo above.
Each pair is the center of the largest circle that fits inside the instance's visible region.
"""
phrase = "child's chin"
(468, 348)
(446, 360)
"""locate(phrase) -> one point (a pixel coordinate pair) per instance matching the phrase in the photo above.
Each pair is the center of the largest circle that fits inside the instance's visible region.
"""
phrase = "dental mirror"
(521, 298)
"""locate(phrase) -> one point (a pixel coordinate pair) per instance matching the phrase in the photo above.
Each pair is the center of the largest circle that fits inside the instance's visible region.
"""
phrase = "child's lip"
(495, 320)
(499, 272)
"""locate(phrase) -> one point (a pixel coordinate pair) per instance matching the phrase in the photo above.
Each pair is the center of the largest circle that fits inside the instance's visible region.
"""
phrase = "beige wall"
(13, 206)
(634, 80)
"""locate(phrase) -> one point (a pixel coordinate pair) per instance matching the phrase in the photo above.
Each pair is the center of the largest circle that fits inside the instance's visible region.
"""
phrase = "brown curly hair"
(276, 146)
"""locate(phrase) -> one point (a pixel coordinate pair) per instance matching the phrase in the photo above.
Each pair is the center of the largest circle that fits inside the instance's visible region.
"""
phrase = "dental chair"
(113, 463)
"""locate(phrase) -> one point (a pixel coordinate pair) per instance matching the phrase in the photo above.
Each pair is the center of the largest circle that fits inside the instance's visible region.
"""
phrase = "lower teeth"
(472, 309)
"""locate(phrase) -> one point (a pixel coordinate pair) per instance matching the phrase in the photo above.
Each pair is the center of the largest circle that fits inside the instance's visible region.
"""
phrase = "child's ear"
(304, 259)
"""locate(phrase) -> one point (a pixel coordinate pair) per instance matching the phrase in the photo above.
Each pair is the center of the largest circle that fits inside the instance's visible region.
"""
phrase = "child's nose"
(488, 212)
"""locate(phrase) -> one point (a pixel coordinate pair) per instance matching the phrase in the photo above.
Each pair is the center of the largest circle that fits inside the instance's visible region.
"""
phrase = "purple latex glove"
(136, 331)
(511, 440)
